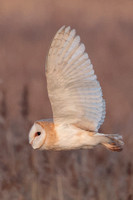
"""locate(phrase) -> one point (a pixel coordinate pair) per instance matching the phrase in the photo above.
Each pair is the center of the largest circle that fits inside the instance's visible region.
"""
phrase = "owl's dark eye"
(37, 133)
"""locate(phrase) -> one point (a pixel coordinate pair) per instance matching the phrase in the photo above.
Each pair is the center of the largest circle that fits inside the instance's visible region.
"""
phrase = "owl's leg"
(112, 142)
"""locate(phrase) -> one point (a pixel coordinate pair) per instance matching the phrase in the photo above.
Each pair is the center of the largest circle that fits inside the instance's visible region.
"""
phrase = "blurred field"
(26, 30)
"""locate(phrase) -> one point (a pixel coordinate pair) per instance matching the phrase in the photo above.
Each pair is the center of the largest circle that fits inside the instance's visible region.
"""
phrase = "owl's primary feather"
(76, 99)
(74, 92)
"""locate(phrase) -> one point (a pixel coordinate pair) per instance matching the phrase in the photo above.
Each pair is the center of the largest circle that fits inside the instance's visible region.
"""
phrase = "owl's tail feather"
(114, 142)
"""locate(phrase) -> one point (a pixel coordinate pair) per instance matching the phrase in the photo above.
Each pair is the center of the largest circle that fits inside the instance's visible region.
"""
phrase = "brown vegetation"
(26, 29)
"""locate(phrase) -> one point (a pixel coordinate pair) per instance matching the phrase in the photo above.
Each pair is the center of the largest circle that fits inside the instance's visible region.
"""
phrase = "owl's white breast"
(71, 137)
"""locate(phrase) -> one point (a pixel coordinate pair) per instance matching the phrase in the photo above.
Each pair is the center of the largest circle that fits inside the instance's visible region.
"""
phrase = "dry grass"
(25, 33)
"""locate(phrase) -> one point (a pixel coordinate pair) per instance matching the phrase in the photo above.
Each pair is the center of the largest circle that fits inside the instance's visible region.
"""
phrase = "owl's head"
(37, 136)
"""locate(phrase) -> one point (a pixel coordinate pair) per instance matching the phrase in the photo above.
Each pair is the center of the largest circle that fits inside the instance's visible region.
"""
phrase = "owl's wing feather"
(73, 89)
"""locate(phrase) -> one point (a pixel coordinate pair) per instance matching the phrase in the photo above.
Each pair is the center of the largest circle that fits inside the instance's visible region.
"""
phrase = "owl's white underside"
(70, 137)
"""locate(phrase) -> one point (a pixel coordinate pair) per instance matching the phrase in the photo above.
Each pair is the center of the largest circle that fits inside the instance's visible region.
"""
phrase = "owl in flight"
(76, 99)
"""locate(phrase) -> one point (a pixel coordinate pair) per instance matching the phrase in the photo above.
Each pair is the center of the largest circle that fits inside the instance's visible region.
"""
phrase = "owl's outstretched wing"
(73, 89)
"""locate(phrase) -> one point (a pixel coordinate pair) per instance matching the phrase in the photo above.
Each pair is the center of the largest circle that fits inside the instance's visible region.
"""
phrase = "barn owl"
(76, 99)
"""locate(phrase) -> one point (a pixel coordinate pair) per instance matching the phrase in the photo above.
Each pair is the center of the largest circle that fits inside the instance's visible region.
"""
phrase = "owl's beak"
(30, 141)
(33, 144)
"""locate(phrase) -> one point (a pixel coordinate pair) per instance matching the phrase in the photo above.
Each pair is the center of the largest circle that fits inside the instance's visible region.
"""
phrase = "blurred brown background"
(26, 31)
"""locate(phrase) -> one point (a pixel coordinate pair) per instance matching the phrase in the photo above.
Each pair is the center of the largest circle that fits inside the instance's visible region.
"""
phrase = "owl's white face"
(37, 136)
